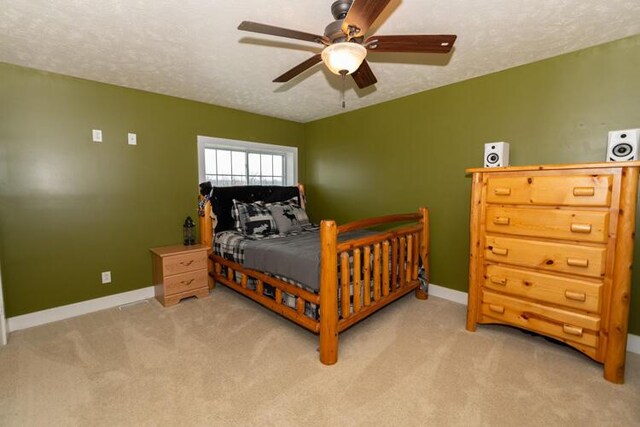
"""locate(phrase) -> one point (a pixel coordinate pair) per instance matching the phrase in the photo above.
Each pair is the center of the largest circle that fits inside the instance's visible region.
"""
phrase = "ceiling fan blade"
(363, 76)
(255, 27)
(440, 43)
(303, 66)
(361, 15)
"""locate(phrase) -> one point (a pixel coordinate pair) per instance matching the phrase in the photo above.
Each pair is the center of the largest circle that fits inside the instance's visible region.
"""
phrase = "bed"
(357, 270)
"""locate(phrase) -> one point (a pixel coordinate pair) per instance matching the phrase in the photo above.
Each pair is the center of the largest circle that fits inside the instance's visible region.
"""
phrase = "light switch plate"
(97, 135)
(132, 139)
(106, 277)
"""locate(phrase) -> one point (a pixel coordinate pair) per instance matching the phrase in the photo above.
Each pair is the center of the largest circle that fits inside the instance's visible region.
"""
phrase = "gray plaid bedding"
(231, 245)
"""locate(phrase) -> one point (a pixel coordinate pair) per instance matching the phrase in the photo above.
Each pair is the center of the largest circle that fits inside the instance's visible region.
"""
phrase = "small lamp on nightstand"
(188, 232)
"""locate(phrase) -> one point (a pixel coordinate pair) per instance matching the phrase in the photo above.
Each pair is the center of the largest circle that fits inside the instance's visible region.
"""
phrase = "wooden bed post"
(303, 198)
(424, 250)
(328, 293)
(206, 237)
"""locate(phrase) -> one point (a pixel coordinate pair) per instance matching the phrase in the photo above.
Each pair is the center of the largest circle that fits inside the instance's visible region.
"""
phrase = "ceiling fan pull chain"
(343, 73)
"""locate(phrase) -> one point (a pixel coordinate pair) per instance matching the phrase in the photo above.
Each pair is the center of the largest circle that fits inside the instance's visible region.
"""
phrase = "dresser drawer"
(562, 324)
(572, 190)
(184, 262)
(574, 293)
(550, 256)
(587, 226)
(185, 282)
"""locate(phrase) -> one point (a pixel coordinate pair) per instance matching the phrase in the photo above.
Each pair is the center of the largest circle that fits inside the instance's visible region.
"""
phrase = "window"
(227, 162)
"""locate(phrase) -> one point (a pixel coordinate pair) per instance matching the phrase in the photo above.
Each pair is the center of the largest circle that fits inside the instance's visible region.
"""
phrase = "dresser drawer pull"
(187, 264)
(187, 283)
(496, 308)
(501, 220)
(572, 330)
(499, 281)
(499, 251)
(581, 228)
(502, 191)
(576, 262)
(584, 191)
(576, 296)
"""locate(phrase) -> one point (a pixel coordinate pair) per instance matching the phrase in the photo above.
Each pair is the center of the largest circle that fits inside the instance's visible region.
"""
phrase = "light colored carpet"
(225, 360)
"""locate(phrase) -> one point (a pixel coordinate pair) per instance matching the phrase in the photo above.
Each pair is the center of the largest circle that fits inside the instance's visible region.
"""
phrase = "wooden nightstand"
(180, 272)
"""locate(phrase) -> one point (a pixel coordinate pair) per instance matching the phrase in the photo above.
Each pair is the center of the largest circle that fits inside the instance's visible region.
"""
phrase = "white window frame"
(290, 154)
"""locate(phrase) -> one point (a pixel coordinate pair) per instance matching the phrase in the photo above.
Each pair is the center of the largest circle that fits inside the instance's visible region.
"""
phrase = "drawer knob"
(577, 262)
(581, 228)
(187, 283)
(576, 296)
(502, 191)
(499, 280)
(499, 251)
(187, 264)
(572, 330)
(496, 308)
(501, 220)
(583, 191)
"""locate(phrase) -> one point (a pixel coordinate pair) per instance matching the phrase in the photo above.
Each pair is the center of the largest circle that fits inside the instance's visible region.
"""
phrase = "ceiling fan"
(345, 46)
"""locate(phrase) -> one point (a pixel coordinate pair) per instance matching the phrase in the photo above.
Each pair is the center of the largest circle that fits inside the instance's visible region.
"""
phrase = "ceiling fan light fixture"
(344, 56)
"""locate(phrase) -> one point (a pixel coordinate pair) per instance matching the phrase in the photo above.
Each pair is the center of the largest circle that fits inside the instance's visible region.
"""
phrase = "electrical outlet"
(97, 135)
(106, 277)
(133, 139)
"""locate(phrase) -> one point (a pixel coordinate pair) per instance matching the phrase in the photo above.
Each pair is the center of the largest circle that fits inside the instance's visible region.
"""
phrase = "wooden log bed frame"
(395, 254)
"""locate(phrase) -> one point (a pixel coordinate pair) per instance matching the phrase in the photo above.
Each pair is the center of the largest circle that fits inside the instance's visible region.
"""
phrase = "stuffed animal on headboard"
(206, 188)
(205, 191)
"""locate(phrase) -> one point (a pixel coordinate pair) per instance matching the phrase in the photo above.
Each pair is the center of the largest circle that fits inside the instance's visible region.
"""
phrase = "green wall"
(71, 208)
(410, 152)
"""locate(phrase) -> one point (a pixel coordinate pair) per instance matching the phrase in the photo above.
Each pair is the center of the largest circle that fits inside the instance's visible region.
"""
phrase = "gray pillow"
(288, 215)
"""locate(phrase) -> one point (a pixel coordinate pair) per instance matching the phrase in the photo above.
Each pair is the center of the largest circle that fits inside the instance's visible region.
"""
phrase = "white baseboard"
(72, 310)
(448, 294)
(633, 341)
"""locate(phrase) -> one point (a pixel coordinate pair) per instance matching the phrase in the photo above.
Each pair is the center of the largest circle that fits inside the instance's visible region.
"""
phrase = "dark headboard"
(222, 199)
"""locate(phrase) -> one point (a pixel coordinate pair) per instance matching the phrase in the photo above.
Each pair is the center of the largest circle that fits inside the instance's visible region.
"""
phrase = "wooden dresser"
(180, 272)
(551, 252)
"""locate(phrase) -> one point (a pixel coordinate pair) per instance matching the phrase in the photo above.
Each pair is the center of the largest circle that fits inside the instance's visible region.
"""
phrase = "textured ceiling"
(192, 49)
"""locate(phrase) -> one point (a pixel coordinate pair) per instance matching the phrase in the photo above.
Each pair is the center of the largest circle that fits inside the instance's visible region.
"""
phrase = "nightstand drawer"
(182, 263)
(574, 190)
(574, 293)
(185, 282)
(586, 226)
(562, 324)
(550, 256)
